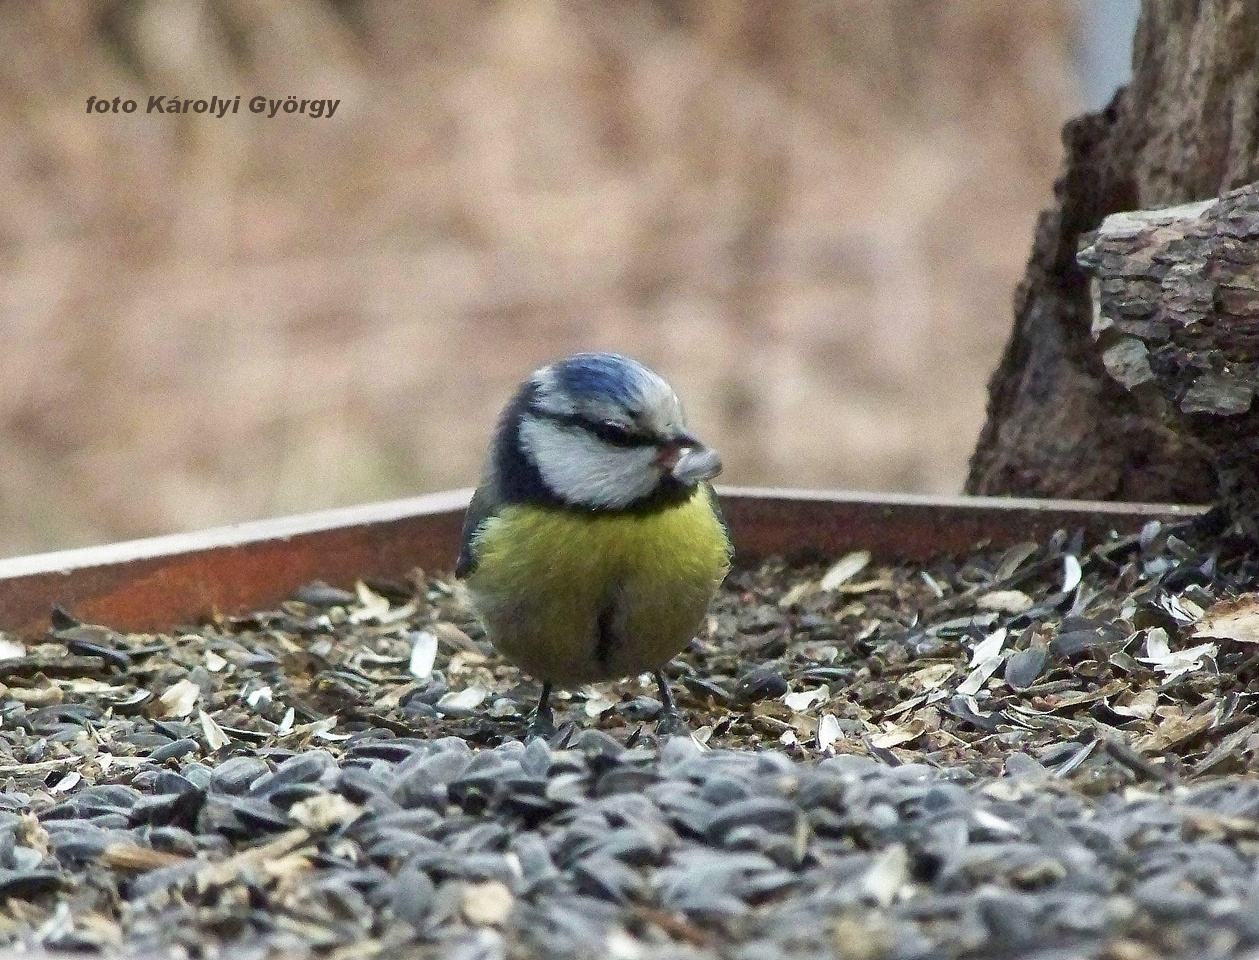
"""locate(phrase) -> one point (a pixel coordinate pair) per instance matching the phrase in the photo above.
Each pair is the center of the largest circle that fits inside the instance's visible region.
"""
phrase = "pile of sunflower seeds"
(1036, 752)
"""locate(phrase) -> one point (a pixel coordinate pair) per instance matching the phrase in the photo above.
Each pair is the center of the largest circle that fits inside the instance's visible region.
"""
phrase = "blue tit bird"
(594, 543)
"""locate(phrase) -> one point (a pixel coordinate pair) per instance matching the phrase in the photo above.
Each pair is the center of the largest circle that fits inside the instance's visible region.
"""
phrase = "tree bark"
(1175, 308)
(1185, 129)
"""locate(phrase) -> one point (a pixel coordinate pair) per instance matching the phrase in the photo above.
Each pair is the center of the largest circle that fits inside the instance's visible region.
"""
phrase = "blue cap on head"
(603, 375)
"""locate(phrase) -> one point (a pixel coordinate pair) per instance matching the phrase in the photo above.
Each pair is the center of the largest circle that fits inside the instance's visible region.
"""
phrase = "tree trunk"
(1175, 306)
(1186, 128)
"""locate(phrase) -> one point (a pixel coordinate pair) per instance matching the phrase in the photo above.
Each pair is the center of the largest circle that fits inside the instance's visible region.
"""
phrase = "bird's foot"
(671, 725)
(543, 723)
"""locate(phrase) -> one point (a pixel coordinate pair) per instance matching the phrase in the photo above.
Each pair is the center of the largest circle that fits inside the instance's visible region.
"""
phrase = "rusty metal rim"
(160, 582)
(234, 535)
(455, 501)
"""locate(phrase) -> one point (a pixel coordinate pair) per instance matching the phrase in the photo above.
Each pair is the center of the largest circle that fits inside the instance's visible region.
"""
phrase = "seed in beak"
(669, 453)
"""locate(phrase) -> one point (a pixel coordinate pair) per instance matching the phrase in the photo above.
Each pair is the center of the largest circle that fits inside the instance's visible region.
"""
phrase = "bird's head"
(605, 433)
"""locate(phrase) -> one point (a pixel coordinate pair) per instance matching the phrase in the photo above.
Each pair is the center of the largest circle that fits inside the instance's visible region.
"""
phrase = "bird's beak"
(688, 460)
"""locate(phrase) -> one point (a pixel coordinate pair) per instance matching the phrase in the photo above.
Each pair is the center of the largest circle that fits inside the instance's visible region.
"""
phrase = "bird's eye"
(610, 431)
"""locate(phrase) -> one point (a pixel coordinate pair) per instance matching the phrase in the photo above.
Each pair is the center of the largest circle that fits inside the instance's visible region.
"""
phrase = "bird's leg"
(669, 724)
(543, 723)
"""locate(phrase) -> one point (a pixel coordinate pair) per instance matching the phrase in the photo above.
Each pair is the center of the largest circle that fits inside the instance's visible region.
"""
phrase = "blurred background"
(808, 215)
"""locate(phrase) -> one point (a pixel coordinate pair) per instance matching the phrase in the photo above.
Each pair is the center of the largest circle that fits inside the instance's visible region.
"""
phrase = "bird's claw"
(543, 724)
(671, 725)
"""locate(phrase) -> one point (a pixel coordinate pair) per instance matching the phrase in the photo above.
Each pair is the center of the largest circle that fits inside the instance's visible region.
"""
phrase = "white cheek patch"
(582, 469)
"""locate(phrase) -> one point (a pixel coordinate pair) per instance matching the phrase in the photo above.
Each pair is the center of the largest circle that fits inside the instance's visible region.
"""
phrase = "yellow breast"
(574, 597)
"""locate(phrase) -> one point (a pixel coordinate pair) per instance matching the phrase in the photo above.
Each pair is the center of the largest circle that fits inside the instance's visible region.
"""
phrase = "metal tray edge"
(159, 582)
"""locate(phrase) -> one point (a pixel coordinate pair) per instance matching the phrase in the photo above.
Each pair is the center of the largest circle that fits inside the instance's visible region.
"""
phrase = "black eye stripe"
(617, 435)
(611, 433)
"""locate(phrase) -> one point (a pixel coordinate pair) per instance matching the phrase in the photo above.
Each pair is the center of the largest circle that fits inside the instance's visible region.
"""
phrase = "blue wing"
(484, 505)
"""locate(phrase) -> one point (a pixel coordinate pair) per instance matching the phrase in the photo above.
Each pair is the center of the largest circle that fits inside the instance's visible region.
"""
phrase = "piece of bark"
(1175, 316)
(1186, 128)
